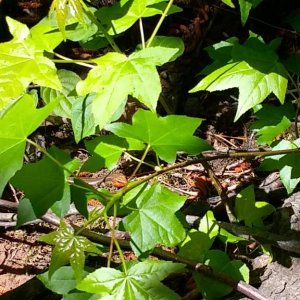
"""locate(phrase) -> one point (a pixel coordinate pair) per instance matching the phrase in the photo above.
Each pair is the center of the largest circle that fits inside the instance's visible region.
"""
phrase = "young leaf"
(219, 261)
(68, 248)
(142, 281)
(44, 183)
(20, 120)
(250, 211)
(154, 221)
(245, 7)
(22, 61)
(64, 9)
(165, 135)
(228, 2)
(106, 151)
(68, 80)
(118, 76)
(124, 14)
(272, 121)
(288, 165)
(256, 79)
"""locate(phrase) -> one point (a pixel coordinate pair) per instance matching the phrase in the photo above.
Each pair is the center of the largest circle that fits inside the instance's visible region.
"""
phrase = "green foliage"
(288, 165)
(141, 281)
(256, 79)
(154, 221)
(22, 61)
(68, 248)
(250, 211)
(122, 15)
(117, 76)
(158, 133)
(20, 120)
(151, 214)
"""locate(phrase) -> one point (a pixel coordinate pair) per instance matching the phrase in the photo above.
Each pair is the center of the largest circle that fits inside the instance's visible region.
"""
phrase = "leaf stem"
(67, 60)
(142, 33)
(163, 16)
(140, 162)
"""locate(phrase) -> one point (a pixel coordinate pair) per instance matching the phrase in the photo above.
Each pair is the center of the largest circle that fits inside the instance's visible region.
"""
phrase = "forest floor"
(277, 276)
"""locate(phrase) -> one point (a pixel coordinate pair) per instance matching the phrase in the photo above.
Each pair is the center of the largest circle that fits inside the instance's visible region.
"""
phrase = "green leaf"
(154, 221)
(294, 20)
(208, 225)
(292, 63)
(61, 282)
(68, 80)
(288, 165)
(124, 14)
(195, 246)
(165, 135)
(229, 3)
(142, 281)
(118, 76)
(245, 7)
(250, 211)
(254, 69)
(19, 121)
(82, 117)
(106, 151)
(22, 61)
(220, 262)
(69, 247)
(272, 121)
(44, 184)
(64, 9)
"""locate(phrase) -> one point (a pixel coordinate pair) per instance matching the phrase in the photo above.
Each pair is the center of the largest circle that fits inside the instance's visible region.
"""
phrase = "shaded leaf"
(245, 7)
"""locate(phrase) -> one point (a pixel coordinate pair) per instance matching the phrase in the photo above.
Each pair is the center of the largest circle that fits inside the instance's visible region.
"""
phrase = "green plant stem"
(240, 286)
(134, 184)
(67, 60)
(101, 27)
(140, 162)
(142, 33)
(163, 16)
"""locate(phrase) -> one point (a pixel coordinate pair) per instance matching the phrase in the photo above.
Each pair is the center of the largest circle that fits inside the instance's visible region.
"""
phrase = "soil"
(201, 24)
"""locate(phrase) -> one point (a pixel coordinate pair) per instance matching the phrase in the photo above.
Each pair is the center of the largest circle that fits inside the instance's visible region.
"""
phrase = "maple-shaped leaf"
(22, 61)
(250, 211)
(287, 164)
(44, 184)
(165, 135)
(141, 281)
(16, 123)
(68, 247)
(106, 151)
(118, 76)
(153, 221)
(123, 14)
(254, 68)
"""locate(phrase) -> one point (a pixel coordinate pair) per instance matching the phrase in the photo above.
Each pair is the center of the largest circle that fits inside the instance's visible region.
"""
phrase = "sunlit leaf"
(141, 281)
(20, 120)
(254, 69)
(154, 221)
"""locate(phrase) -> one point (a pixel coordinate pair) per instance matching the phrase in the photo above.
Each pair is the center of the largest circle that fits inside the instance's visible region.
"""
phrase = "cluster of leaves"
(151, 212)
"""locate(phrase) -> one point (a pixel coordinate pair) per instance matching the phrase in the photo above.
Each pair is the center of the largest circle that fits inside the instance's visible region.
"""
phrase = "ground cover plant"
(114, 104)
